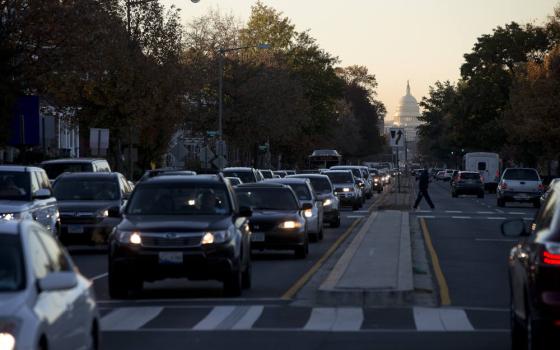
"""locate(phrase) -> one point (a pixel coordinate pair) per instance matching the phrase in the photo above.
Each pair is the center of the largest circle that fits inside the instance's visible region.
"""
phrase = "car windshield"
(356, 172)
(340, 178)
(15, 186)
(245, 176)
(470, 176)
(179, 199)
(373, 172)
(86, 189)
(12, 272)
(267, 174)
(267, 198)
(302, 191)
(321, 185)
(55, 169)
(521, 174)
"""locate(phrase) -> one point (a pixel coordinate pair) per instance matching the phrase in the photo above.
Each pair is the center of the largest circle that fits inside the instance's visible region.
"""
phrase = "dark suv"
(181, 226)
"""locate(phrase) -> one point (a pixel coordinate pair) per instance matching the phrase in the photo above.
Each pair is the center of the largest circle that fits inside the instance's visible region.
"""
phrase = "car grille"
(262, 226)
(72, 217)
(171, 240)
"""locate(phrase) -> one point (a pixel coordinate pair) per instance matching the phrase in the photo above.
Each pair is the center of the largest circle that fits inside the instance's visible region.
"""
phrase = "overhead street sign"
(396, 137)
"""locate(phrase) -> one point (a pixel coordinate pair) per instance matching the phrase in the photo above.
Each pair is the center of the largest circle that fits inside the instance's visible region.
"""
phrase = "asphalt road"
(178, 314)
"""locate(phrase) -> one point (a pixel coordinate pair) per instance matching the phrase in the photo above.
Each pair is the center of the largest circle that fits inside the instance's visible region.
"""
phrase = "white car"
(45, 303)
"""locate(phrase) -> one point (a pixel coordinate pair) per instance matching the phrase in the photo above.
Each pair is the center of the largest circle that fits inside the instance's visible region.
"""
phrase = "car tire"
(118, 283)
(313, 237)
(355, 206)
(379, 191)
(537, 203)
(233, 284)
(246, 278)
(302, 251)
(336, 223)
(95, 338)
(320, 234)
(501, 202)
(534, 335)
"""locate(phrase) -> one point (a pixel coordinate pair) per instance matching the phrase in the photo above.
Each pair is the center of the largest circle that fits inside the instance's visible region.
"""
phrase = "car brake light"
(551, 259)
(541, 187)
(481, 178)
(503, 186)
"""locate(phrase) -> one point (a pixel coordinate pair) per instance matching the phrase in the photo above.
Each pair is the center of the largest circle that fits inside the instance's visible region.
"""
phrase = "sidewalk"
(376, 268)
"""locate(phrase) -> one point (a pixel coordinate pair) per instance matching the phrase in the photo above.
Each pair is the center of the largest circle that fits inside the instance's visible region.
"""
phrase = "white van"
(485, 163)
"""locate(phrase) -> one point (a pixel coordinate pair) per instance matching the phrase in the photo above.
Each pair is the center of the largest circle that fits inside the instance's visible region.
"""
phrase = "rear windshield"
(267, 198)
(15, 186)
(470, 176)
(373, 172)
(12, 272)
(267, 174)
(521, 174)
(340, 178)
(55, 169)
(86, 189)
(179, 199)
(321, 185)
(245, 176)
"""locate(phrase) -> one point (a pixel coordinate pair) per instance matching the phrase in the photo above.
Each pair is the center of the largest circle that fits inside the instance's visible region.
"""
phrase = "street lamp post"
(222, 52)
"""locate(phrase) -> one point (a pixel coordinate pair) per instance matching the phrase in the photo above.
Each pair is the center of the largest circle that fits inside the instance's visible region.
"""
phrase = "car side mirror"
(307, 206)
(114, 212)
(245, 212)
(43, 193)
(57, 281)
(514, 228)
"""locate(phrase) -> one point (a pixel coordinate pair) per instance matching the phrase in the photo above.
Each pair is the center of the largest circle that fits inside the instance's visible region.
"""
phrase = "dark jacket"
(424, 181)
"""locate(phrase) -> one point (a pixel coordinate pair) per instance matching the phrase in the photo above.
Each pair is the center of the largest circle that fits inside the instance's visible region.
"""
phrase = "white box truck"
(485, 163)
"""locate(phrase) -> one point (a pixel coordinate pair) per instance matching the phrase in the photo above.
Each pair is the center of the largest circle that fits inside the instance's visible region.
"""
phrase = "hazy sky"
(420, 40)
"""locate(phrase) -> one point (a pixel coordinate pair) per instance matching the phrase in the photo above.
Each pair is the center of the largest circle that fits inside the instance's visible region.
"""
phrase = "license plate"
(257, 237)
(170, 258)
(75, 229)
(522, 196)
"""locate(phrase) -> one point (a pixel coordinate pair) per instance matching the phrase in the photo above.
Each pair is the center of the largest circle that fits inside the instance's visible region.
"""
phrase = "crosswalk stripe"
(129, 318)
(461, 217)
(214, 318)
(495, 218)
(249, 319)
(427, 320)
(455, 320)
(321, 319)
(348, 319)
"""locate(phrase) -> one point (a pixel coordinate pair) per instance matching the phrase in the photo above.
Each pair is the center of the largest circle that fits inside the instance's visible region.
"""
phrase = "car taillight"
(541, 187)
(551, 259)
(481, 178)
(503, 186)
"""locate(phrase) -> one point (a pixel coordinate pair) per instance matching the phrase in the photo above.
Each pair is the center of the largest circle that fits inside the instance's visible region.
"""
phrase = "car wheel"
(320, 235)
(537, 203)
(533, 334)
(336, 223)
(313, 237)
(94, 341)
(501, 202)
(118, 288)
(356, 206)
(379, 191)
(246, 279)
(518, 336)
(301, 252)
(233, 284)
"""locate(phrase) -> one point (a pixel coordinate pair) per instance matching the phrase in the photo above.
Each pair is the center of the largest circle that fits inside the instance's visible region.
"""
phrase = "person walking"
(423, 183)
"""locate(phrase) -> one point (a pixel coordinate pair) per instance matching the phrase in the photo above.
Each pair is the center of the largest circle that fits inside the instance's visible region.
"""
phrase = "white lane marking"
(516, 213)
(348, 319)
(103, 275)
(427, 319)
(129, 318)
(321, 319)
(495, 218)
(361, 211)
(485, 212)
(453, 211)
(250, 317)
(455, 320)
(423, 211)
(461, 217)
(426, 216)
(214, 318)
(495, 240)
(499, 211)
(355, 216)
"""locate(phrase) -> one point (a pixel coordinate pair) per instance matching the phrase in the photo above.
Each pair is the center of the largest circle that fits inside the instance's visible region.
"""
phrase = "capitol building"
(406, 117)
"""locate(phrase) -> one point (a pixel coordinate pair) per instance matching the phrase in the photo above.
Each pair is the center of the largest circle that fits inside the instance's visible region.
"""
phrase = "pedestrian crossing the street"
(304, 319)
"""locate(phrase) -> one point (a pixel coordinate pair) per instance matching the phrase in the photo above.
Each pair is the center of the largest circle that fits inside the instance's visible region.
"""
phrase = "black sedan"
(534, 271)
(181, 226)
(85, 202)
(278, 221)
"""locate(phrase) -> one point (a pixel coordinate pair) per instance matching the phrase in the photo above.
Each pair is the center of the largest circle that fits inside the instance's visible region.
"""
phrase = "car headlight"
(308, 213)
(129, 237)
(7, 341)
(8, 332)
(216, 237)
(290, 224)
(103, 213)
(327, 202)
(10, 216)
(346, 189)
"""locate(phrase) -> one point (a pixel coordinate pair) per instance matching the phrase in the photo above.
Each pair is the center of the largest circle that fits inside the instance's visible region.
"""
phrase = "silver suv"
(26, 193)
(520, 185)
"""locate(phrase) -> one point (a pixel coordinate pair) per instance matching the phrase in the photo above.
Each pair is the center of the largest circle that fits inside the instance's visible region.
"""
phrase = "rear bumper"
(79, 232)
(512, 196)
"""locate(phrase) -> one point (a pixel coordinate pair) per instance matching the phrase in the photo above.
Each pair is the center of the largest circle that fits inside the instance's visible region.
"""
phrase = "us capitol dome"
(407, 115)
